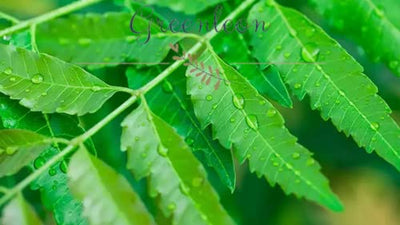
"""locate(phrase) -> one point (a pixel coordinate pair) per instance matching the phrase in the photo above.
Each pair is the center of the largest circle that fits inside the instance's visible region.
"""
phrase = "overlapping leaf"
(19, 212)
(47, 84)
(156, 151)
(332, 78)
(52, 184)
(107, 196)
(18, 148)
(246, 121)
(170, 102)
(374, 24)
(264, 77)
(96, 40)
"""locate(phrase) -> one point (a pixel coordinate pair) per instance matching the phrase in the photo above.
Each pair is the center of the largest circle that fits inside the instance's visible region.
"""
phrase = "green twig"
(48, 16)
(9, 18)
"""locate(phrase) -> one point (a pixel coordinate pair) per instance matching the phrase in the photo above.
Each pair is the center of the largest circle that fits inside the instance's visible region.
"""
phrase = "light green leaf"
(264, 77)
(374, 24)
(19, 212)
(180, 115)
(186, 6)
(47, 84)
(330, 76)
(18, 148)
(107, 196)
(247, 122)
(97, 40)
(155, 150)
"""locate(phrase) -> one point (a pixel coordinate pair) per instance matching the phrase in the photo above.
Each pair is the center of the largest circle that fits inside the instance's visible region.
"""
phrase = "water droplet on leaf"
(162, 151)
(238, 101)
(167, 87)
(252, 122)
(209, 97)
(63, 167)
(39, 162)
(197, 181)
(310, 53)
(37, 79)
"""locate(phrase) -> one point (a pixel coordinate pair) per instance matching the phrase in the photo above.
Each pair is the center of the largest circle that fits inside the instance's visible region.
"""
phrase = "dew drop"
(8, 71)
(39, 162)
(296, 155)
(143, 155)
(167, 87)
(44, 94)
(162, 151)
(209, 97)
(184, 189)
(37, 79)
(379, 13)
(232, 120)
(171, 206)
(297, 86)
(52, 172)
(84, 41)
(63, 41)
(215, 106)
(252, 122)
(310, 53)
(137, 138)
(297, 181)
(393, 64)
(276, 164)
(96, 88)
(374, 126)
(63, 167)
(310, 162)
(278, 47)
(13, 79)
(287, 55)
(271, 112)
(262, 102)
(197, 181)
(238, 101)
(11, 150)
(130, 39)
(189, 141)
(6, 37)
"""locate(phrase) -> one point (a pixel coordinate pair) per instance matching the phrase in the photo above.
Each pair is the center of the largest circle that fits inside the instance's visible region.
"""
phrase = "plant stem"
(48, 16)
(146, 88)
(9, 18)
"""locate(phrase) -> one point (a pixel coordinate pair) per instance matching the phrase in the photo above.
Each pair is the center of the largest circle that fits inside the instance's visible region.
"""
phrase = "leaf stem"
(9, 18)
(48, 16)
(82, 138)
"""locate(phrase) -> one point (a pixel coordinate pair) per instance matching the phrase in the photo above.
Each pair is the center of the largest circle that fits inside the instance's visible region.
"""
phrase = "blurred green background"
(368, 186)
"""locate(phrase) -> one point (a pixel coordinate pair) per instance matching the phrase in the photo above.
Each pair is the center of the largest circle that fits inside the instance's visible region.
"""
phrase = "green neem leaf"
(186, 6)
(19, 212)
(18, 148)
(47, 84)
(246, 121)
(179, 114)
(332, 78)
(52, 184)
(156, 151)
(107, 196)
(264, 77)
(96, 40)
(374, 24)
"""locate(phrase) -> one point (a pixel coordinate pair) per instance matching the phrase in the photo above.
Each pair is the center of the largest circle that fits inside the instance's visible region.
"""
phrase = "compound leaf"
(47, 84)
(246, 121)
(328, 75)
(156, 151)
(107, 196)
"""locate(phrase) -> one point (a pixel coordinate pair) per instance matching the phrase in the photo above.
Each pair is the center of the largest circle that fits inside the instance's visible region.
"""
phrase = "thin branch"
(48, 16)
(9, 18)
